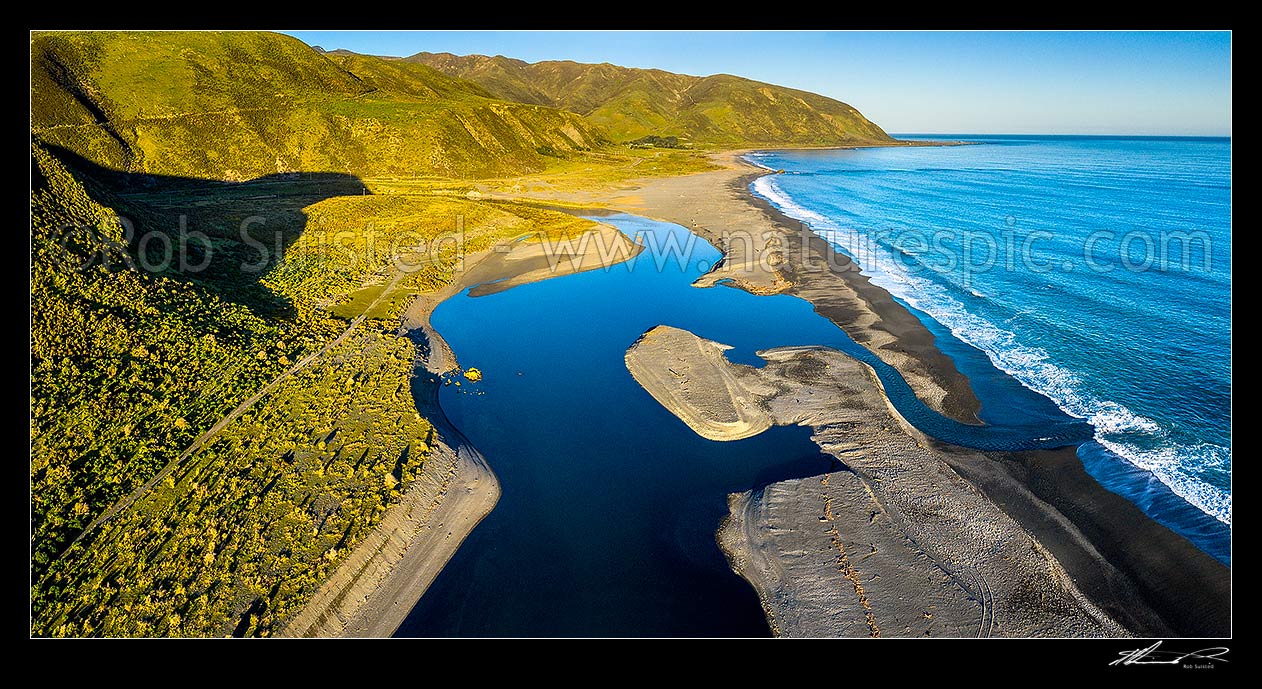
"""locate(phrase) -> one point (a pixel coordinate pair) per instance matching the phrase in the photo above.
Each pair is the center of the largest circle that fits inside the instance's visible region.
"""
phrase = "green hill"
(154, 313)
(133, 357)
(235, 106)
(147, 142)
(633, 103)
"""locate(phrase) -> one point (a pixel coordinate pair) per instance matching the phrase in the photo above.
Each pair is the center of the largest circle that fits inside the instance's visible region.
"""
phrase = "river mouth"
(610, 504)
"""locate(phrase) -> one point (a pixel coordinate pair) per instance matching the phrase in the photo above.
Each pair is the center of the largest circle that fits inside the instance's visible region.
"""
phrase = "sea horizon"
(1011, 135)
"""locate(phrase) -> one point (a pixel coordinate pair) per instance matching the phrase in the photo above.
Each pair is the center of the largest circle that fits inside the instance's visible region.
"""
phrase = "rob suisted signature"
(1152, 656)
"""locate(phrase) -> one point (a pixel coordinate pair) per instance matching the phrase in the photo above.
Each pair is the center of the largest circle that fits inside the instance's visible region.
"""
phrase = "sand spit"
(690, 377)
(521, 262)
(833, 540)
(894, 543)
(766, 252)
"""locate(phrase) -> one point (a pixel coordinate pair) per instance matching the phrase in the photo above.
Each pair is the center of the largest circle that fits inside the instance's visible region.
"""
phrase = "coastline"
(1087, 535)
(889, 541)
(718, 205)
(1151, 580)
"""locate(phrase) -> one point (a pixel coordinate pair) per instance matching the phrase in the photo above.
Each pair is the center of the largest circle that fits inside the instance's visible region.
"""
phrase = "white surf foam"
(1116, 426)
(752, 159)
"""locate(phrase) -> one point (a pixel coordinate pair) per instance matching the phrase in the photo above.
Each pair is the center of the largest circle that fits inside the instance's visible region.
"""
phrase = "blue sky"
(931, 82)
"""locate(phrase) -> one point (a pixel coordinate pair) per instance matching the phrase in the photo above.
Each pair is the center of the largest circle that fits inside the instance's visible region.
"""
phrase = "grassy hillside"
(132, 360)
(216, 218)
(240, 105)
(632, 103)
(405, 80)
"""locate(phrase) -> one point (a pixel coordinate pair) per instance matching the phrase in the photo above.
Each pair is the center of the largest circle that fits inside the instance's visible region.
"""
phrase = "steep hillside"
(134, 356)
(631, 103)
(239, 105)
(141, 143)
(156, 317)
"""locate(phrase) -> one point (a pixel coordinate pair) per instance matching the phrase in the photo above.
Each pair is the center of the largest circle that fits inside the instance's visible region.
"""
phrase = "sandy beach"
(1139, 573)
(718, 206)
(893, 543)
(858, 334)
(900, 540)
(692, 378)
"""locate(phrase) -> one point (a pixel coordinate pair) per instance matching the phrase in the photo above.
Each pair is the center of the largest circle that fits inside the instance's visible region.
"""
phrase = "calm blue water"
(1077, 303)
(610, 503)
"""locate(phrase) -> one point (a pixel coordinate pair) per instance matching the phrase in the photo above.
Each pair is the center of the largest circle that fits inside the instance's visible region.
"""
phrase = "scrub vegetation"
(225, 231)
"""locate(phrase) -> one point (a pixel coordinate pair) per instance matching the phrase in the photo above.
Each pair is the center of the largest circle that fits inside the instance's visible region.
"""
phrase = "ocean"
(1094, 271)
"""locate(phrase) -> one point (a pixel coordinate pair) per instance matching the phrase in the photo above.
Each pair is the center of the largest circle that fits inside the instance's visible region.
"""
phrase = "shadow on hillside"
(223, 236)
